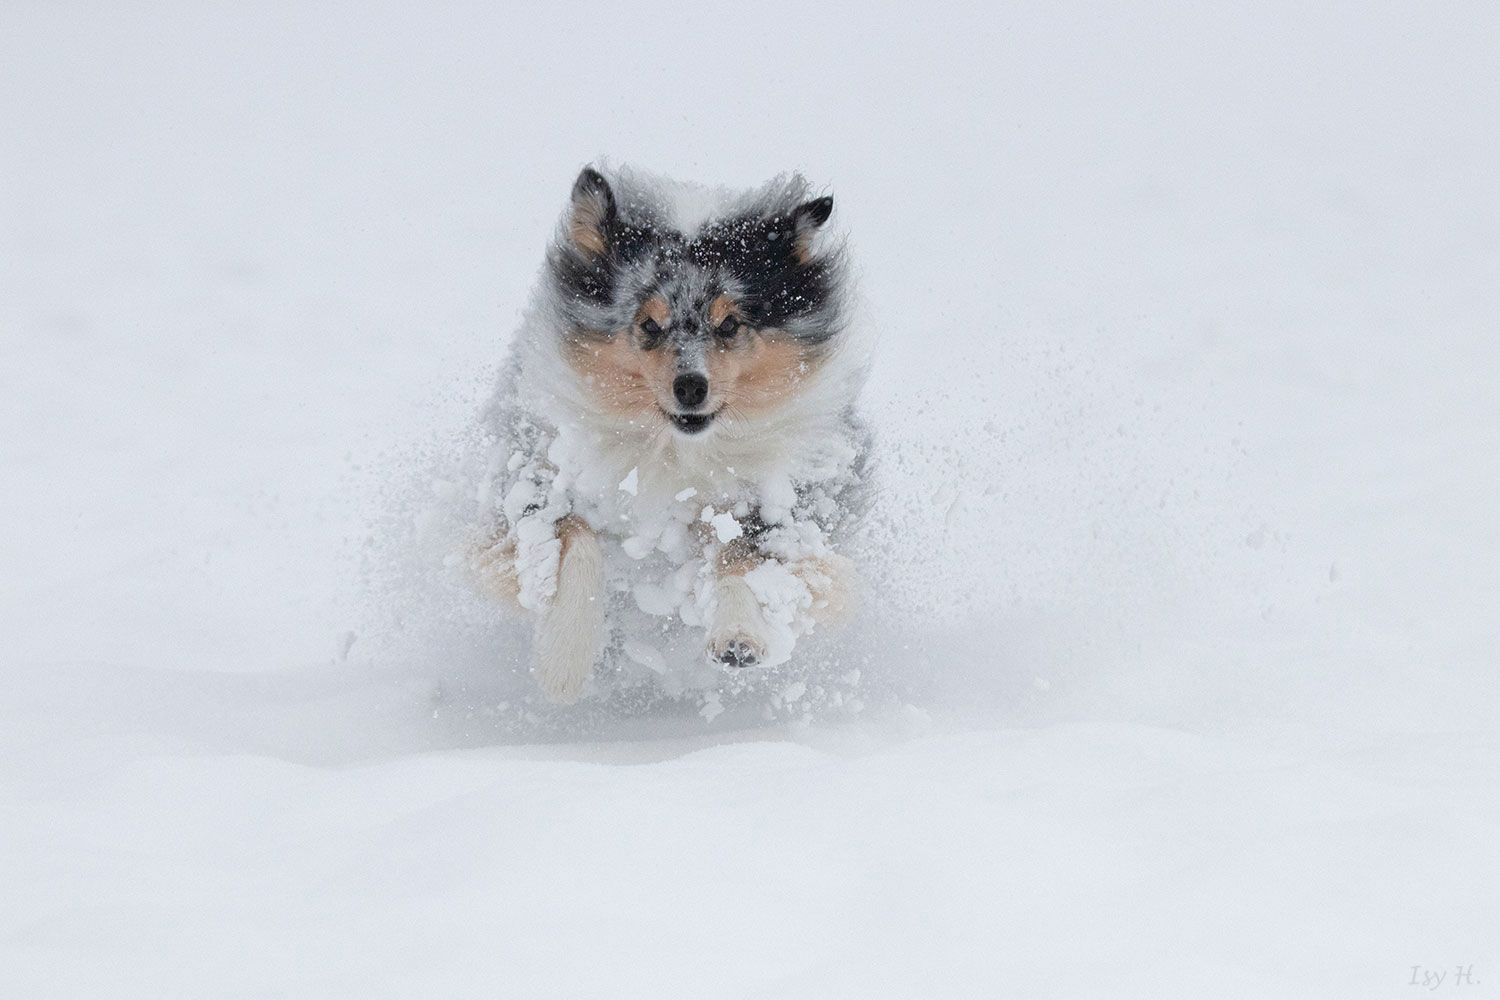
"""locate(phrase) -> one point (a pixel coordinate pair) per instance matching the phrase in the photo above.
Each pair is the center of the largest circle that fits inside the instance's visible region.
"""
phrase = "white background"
(1187, 389)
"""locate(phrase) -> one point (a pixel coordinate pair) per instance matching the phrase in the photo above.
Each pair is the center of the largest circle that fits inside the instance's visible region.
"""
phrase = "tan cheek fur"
(626, 380)
(759, 371)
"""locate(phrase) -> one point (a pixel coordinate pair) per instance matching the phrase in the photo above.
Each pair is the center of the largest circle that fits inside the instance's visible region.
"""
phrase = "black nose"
(690, 389)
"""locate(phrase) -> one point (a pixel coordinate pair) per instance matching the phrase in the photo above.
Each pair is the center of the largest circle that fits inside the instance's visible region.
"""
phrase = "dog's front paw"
(736, 637)
(568, 634)
(561, 678)
(565, 647)
(736, 651)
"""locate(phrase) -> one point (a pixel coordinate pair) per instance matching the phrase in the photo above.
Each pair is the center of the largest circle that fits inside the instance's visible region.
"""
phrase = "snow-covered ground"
(1184, 677)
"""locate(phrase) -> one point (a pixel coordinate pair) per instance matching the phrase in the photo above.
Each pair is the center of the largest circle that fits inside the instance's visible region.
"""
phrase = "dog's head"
(694, 323)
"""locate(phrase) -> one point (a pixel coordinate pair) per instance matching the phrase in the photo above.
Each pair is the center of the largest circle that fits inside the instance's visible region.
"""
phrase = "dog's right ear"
(592, 212)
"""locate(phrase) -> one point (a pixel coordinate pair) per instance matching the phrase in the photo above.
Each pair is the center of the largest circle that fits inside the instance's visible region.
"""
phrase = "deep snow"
(1183, 681)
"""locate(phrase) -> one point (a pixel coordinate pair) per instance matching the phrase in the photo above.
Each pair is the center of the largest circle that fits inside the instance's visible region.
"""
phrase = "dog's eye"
(729, 327)
(651, 328)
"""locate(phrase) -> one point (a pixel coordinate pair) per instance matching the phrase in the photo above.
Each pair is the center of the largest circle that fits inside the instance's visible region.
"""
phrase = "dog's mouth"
(691, 423)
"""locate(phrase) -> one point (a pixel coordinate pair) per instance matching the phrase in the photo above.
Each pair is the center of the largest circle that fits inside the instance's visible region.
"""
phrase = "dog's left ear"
(806, 220)
(592, 212)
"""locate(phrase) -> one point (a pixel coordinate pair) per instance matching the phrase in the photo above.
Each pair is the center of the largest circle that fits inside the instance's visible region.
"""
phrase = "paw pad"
(738, 654)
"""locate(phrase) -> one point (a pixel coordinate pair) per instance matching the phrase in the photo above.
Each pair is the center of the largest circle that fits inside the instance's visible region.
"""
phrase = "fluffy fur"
(679, 401)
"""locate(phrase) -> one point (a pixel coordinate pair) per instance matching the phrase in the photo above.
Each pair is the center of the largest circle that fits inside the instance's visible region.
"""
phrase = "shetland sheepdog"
(675, 434)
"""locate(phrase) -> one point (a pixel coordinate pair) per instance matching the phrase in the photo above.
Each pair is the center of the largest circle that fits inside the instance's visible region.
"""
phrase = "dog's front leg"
(571, 626)
(738, 633)
(737, 629)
